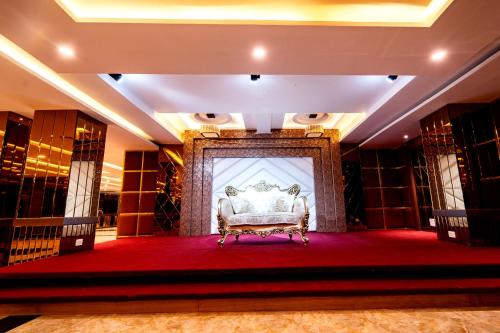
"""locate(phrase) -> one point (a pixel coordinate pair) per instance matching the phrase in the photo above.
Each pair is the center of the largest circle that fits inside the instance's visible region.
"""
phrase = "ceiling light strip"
(434, 96)
(356, 120)
(382, 13)
(17, 55)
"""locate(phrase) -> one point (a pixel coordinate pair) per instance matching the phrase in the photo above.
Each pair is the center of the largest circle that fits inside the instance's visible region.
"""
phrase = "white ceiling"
(479, 85)
(302, 55)
(270, 94)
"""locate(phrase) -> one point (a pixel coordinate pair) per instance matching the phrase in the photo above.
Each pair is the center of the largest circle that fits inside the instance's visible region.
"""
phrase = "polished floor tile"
(369, 321)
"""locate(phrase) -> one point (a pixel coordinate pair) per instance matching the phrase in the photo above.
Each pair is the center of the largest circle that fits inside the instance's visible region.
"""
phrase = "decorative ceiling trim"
(344, 122)
(401, 13)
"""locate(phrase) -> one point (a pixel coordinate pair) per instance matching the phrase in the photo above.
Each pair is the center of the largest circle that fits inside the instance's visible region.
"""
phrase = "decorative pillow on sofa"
(279, 202)
(251, 201)
(281, 205)
(242, 203)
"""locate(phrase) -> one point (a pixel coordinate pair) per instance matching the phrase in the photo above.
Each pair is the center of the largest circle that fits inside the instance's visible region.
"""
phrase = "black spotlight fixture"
(211, 115)
(254, 77)
(116, 76)
(313, 115)
(391, 78)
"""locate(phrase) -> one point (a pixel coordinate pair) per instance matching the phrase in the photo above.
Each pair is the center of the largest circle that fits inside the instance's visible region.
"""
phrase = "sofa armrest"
(224, 211)
(300, 208)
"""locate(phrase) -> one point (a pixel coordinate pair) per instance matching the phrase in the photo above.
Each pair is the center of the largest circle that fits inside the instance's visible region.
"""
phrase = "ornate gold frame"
(264, 230)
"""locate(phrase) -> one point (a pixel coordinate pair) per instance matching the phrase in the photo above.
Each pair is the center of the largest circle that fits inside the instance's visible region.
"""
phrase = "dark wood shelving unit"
(138, 195)
(387, 189)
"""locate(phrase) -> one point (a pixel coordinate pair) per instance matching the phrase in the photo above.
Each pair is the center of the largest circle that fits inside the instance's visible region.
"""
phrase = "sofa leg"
(220, 242)
(237, 236)
(304, 239)
(290, 235)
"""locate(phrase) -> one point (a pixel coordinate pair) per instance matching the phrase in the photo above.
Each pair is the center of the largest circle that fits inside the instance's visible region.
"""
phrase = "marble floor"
(369, 321)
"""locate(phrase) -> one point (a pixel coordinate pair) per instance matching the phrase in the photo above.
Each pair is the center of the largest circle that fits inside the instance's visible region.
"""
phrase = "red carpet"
(371, 248)
(412, 262)
(247, 289)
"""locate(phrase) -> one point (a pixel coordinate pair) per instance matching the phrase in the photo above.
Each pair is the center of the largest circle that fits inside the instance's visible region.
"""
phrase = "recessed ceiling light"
(66, 51)
(259, 53)
(391, 78)
(405, 136)
(438, 55)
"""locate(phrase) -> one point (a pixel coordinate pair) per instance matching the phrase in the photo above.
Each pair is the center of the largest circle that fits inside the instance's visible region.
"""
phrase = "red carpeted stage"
(398, 262)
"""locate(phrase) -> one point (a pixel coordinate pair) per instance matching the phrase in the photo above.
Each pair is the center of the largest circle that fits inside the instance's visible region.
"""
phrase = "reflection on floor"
(434, 320)
(105, 234)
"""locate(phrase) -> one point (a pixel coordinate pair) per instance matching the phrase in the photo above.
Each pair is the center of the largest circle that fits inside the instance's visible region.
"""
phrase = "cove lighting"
(438, 55)
(23, 59)
(407, 13)
(344, 122)
(178, 123)
(66, 51)
(259, 53)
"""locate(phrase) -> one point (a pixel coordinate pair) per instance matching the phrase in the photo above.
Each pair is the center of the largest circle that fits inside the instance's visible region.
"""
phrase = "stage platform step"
(384, 263)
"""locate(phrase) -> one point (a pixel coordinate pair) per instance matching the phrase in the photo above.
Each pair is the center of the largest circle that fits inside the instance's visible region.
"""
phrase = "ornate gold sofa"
(262, 209)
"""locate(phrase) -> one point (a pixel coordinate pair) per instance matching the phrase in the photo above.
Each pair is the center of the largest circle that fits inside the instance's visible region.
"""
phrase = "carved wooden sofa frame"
(298, 222)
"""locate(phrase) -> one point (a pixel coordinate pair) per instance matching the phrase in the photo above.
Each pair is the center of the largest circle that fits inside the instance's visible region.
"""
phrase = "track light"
(391, 78)
(116, 76)
(314, 131)
(254, 77)
(210, 131)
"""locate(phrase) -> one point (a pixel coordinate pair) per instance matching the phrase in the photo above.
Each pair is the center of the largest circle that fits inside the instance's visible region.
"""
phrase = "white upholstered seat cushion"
(263, 219)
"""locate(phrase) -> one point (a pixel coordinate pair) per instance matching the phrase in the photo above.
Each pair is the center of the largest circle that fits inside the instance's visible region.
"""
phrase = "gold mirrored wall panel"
(462, 151)
(80, 216)
(169, 188)
(14, 138)
(14, 132)
(34, 239)
(86, 168)
(48, 164)
(60, 186)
